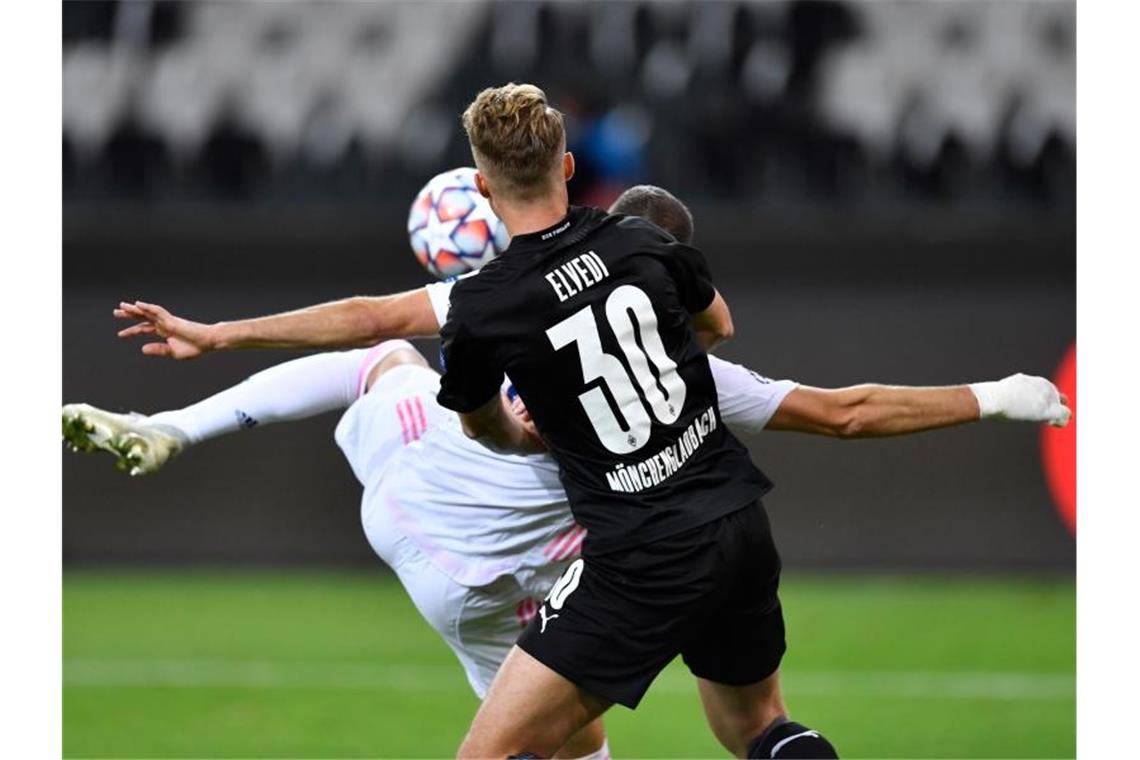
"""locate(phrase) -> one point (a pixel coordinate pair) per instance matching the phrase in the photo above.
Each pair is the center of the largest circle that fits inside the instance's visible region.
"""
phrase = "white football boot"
(139, 447)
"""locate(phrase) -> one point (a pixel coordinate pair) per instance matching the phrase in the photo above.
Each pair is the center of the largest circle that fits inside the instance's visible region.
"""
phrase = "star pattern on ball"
(438, 233)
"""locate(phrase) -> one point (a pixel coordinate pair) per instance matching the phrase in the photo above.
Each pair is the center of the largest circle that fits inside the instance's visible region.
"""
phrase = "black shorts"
(611, 623)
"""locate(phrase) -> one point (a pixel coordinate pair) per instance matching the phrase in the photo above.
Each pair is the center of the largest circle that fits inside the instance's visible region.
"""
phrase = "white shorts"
(480, 623)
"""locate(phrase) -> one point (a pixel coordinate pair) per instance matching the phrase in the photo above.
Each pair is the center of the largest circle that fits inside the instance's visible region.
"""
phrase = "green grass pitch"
(310, 664)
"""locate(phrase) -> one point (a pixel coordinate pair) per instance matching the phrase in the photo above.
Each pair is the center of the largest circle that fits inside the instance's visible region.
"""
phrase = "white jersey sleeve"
(747, 399)
(439, 293)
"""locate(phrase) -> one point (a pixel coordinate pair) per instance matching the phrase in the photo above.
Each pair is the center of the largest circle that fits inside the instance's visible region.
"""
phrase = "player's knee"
(588, 743)
(483, 741)
(787, 740)
(483, 749)
(389, 355)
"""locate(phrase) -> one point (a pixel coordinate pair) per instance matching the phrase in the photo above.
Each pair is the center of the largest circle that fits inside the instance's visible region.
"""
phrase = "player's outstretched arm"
(348, 323)
(867, 411)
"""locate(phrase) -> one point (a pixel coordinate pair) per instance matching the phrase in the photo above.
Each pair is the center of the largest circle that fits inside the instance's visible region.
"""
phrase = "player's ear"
(481, 185)
(567, 165)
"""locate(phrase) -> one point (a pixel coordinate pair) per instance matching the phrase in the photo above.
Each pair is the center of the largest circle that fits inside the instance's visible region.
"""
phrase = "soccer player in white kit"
(478, 538)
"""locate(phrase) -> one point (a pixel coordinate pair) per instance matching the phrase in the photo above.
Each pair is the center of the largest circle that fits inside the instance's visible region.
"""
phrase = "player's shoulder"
(483, 281)
(478, 295)
(643, 228)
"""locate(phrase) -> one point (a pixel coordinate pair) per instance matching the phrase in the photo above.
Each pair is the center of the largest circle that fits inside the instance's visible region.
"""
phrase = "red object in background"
(1059, 446)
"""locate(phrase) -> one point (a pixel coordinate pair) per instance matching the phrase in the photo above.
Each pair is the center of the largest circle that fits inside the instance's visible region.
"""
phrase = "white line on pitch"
(440, 677)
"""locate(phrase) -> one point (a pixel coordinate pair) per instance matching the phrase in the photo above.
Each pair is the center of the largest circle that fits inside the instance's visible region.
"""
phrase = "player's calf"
(785, 739)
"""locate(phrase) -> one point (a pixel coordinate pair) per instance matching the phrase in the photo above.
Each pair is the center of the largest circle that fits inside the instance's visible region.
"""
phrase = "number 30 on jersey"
(662, 391)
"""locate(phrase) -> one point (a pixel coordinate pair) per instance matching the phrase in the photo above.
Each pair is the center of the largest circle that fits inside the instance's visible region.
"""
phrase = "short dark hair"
(657, 205)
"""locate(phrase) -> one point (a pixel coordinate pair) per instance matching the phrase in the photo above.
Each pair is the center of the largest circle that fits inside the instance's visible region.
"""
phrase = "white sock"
(291, 391)
(602, 753)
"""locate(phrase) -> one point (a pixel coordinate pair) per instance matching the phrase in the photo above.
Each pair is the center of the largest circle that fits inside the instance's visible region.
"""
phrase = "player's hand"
(182, 339)
(520, 410)
(1027, 398)
(532, 441)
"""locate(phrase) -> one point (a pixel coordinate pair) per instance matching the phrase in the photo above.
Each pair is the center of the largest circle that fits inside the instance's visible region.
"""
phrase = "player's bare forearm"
(713, 326)
(869, 411)
(498, 427)
(348, 323)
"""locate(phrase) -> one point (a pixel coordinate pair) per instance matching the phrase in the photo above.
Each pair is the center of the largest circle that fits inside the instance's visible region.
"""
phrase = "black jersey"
(590, 319)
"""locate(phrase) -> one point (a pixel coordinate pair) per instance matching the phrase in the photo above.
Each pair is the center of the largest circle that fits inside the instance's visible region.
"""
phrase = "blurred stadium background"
(885, 192)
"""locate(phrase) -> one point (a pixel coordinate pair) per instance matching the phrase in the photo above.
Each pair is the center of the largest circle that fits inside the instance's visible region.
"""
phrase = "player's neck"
(524, 217)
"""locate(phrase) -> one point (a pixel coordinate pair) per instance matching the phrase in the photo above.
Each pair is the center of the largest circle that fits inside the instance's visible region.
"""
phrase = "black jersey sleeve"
(471, 377)
(691, 273)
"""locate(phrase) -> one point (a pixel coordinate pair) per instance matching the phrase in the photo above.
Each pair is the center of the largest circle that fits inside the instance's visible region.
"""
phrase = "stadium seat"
(276, 97)
(666, 71)
(766, 70)
(96, 86)
(613, 38)
(182, 96)
(514, 32)
(861, 93)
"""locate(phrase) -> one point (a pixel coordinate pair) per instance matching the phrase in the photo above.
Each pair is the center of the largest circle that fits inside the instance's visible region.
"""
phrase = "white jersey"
(475, 514)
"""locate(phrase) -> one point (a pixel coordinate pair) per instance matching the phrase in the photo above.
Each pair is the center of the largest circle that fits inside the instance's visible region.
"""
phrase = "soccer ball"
(452, 227)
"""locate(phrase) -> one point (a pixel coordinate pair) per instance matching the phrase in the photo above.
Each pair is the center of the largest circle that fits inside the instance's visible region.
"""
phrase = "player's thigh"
(479, 623)
(529, 708)
(443, 603)
(436, 596)
(489, 621)
(740, 639)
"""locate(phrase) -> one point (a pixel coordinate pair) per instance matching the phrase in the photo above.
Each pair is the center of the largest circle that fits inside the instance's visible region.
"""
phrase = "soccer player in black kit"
(599, 320)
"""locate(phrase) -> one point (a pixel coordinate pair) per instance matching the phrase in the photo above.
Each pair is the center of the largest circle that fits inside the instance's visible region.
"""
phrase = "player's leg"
(389, 355)
(293, 390)
(737, 714)
(487, 621)
(588, 743)
(480, 625)
(736, 653)
(488, 632)
(751, 721)
(529, 709)
(609, 625)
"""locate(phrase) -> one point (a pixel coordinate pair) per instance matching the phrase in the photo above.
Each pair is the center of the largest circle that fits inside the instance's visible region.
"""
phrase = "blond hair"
(516, 138)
